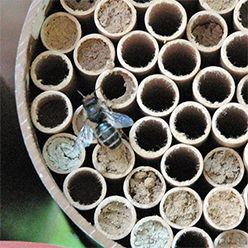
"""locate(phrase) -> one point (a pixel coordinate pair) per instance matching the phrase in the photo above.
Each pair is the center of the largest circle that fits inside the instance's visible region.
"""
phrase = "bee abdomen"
(107, 135)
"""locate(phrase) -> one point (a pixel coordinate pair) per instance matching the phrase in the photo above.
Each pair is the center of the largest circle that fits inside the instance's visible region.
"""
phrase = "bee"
(108, 124)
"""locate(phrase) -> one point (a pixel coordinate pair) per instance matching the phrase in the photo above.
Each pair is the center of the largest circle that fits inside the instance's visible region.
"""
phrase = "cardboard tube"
(117, 88)
(181, 165)
(188, 235)
(230, 125)
(150, 137)
(223, 208)
(213, 87)
(144, 187)
(115, 18)
(79, 183)
(242, 91)
(166, 20)
(157, 95)
(60, 32)
(51, 112)
(52, 70)
(245, 196)
(233, 54)
(137, 52)
(190, 123)
(239, 16)
(179, 60)
(141, 6)
(245, 156)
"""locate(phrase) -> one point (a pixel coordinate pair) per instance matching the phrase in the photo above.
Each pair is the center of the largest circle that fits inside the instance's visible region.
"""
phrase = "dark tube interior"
(51, 70)
(232, 122)
(182, 164)
(214, 86)
(138, 51)
(191, 121)
(157, 95)
(165, 19)
(81, 184)
(237, 51)
(244, 91)
(179, 59)
(151, 136)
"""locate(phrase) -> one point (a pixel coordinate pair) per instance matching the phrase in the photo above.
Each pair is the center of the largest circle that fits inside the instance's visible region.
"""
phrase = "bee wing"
(85, 136)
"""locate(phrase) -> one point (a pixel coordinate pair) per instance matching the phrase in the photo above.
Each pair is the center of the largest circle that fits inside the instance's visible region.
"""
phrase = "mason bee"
(107, 123)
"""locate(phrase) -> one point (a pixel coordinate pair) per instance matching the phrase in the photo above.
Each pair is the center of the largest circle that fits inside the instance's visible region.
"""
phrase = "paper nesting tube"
(144, 187)
(79, 183)
(53, 70)
(231, 239)
(223, 166)
(150, 137)
(181, 207)
(240, 16)
(60, 32)
(245, 156)
(242, 91)
(151, 229)
(223, 208)
(213, 87)
(141, 6)
(166, 20)
(81, 9)
(60, 154)
(230, 125)
(94, 54)
(233, 54)
(195, 235)
(117, 88)
(181, 165)
(157, 95)
(207, 30)
(190, 123)
(120, 210)
(114, 164)
(245, 196)
(115, 18)
(179, 60)
(137, 52)
(51, 112)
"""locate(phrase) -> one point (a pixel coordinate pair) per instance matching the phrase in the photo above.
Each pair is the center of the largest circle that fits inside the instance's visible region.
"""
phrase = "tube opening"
(244, 91)
(51, 70)
(243, 14)
(151, 136)
(214, 86)
(138, 51)
(157, 95)
(165, 19)
(232, 122)
(179, 59)
(182, 164)
(191, 121)
(80, 5)
(113, 86)
(237, 52)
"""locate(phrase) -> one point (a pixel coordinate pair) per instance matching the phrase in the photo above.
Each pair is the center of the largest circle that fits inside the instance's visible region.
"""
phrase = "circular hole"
(165, 19)
(244, 91)
(237, 51)
(232, 122)
(81, 184)
(214, 86)
(191, 121)
(243, 16)
(151, 136)
(52, 111)
(138, 51)
(157, 95)
(51, 70)
(182, 164)
(179, 59)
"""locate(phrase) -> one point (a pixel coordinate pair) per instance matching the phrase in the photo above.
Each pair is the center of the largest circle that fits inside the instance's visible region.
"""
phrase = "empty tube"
(157, 95)
(190, 123)
(240, 16)
(179, 60)
(242, 91)
(245, 156)
(230, 125)
(213, 87)
(234, 54)
(166, 20)
(137, 52)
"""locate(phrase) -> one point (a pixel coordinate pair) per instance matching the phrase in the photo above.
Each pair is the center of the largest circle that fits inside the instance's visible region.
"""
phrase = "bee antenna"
(80, 93)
